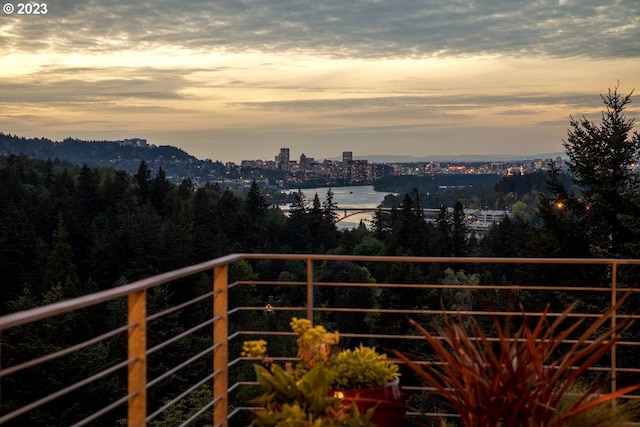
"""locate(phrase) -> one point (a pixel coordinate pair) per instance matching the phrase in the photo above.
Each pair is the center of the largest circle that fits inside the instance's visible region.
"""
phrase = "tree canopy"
(602, 163)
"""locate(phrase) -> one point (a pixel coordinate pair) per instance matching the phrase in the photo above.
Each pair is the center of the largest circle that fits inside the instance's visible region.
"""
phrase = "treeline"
(90, 229)
(175, 161)
(89, 152)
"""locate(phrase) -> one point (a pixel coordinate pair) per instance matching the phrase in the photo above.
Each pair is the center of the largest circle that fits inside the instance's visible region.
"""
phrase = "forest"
(69, 230)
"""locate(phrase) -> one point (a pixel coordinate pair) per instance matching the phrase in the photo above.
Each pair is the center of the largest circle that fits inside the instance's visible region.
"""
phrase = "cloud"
(440, 105)
(355, 28)
(250, 76)
(87, 85)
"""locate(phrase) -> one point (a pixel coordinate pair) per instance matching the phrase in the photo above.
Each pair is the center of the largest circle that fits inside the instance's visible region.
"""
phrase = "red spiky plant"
(519, 379)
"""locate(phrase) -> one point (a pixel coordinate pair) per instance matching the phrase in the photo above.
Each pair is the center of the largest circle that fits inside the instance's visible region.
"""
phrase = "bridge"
(349, 212)
(476, 219)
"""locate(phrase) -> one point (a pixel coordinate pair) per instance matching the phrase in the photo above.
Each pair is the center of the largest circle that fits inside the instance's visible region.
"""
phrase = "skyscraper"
(347, 156)
(282, 159)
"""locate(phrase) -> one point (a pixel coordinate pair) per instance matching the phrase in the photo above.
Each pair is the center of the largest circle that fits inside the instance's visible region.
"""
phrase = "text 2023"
(32, 8)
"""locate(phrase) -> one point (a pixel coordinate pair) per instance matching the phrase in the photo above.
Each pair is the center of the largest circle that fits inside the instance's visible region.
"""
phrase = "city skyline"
(230, 80)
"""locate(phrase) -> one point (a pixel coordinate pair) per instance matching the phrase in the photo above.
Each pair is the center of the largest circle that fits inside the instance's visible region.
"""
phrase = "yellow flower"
(300, 326)
(257, 348)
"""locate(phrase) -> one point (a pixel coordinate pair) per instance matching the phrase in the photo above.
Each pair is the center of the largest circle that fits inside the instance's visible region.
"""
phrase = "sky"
(238, 79)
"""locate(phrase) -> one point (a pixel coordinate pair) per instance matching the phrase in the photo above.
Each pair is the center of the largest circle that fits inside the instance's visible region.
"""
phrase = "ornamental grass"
(523, 379)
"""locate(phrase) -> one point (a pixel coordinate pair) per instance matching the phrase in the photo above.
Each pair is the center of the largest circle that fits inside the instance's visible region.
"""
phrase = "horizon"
(238, 81)
(373, 158)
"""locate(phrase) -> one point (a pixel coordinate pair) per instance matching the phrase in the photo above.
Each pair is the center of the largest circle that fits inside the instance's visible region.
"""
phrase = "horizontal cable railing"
(175, 347)
(130, 371)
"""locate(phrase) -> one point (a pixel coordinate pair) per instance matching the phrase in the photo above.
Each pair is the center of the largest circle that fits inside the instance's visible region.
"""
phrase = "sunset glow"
(258, 77)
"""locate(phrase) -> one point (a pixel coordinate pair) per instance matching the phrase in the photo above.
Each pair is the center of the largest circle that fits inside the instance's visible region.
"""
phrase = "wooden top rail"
(31, 315)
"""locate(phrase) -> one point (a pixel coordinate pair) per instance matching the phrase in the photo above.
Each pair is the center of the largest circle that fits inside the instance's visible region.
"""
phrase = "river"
(361, 196)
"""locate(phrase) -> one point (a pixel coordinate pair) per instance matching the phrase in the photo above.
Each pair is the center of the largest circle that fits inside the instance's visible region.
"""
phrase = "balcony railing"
(234, 299)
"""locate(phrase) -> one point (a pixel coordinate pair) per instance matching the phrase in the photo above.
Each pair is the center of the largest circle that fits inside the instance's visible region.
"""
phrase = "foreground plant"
(524, 378)
(620, 415)
(307, 393)
(288, 401)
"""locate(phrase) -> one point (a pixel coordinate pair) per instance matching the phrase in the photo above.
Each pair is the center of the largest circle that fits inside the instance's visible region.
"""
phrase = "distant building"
(359, 171)
(305, 162)
(347, 156)
(457, 169)
(134, 142)
(282, 160)
(483, 220)
(379, 170)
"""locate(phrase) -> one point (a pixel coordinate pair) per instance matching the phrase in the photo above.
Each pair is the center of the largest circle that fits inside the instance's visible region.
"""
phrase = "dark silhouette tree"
(60, 269)
(459, 231)
(410, 233)
(255, 202)
(205, 224)
(442, 244)
(329, 208)
(234, 223)
(298, 232)
(142, 179)
(600, 163)
(159, 189)
(329, 230)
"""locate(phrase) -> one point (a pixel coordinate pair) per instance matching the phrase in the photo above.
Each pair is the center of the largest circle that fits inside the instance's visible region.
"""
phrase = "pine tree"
(159, 189)
(600, 162)
(60, 269)
(315, 223)
(143, 180)
(458, 231)
(298, 226)
(255, 202)
(329, 208)
(442, 239)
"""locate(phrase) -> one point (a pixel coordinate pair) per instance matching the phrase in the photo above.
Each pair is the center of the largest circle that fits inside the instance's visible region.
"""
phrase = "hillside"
(176, 162)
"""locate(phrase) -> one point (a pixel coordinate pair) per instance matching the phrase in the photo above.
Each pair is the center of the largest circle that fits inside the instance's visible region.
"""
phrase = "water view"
(361, 196)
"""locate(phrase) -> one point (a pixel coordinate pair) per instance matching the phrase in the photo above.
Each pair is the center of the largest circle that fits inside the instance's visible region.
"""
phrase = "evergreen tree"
(329, 208)
(89, 198)
(234, 221)
(600, 162)
(299, 235)
(257, 210)
(382, 223)
(442, 239)
(298, 208)
(205, 225)
(114, 190)
(255, 202)
(60, 269)
(410, 233)
(159, 189)
(458, 231)
(315, 221)
(328, 233)
(561, 212)
(142, 179)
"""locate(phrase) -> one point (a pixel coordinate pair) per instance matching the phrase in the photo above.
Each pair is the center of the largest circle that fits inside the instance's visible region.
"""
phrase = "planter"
(390, 409)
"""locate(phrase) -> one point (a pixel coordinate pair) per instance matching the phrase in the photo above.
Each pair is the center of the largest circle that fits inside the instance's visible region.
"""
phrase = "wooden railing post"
(310, 289)
(137, 350)
(614, 324)
(221, 337)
